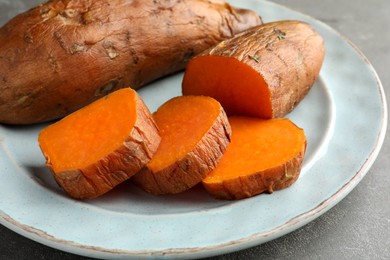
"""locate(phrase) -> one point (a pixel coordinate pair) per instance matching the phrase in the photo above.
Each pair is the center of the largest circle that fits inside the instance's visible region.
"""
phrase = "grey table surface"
(356, 228)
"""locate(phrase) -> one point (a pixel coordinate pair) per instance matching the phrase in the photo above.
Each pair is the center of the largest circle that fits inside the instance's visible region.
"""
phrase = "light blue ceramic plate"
(345, 120)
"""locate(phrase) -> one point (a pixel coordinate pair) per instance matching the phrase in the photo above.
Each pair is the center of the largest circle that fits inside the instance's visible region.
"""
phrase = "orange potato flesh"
(74, 145)
(239, 88)
(264, 155)
(181, 132)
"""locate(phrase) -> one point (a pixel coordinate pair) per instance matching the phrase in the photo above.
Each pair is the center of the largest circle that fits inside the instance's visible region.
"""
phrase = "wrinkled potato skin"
(287, 54)
(62, 55)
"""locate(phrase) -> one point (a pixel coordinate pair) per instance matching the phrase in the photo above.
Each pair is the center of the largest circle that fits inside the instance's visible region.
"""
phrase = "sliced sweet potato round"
(101, 145)
(263, 72)
(263, 156)
(195, 133)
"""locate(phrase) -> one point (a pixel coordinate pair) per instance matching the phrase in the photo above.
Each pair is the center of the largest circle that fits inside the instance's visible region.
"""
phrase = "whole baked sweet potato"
(62, 55)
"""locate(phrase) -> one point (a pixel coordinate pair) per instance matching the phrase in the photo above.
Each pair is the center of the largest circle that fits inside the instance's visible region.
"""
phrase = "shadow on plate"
(128, 198)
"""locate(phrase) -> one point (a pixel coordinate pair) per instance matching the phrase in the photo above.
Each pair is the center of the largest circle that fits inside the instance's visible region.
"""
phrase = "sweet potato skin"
(288, 55)
(117, 167)
(62, 55)
(191, 169)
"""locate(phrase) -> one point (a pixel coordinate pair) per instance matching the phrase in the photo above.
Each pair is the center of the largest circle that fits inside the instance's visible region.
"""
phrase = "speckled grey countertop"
(356, 228)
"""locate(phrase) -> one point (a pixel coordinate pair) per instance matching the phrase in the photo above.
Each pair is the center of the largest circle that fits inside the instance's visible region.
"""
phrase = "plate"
(344, 117)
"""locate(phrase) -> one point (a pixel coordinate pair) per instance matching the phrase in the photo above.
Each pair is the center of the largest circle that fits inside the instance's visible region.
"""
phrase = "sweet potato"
(62, 55)
(270, 67)
(264, 155)
(194, 135)
(101, 145)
